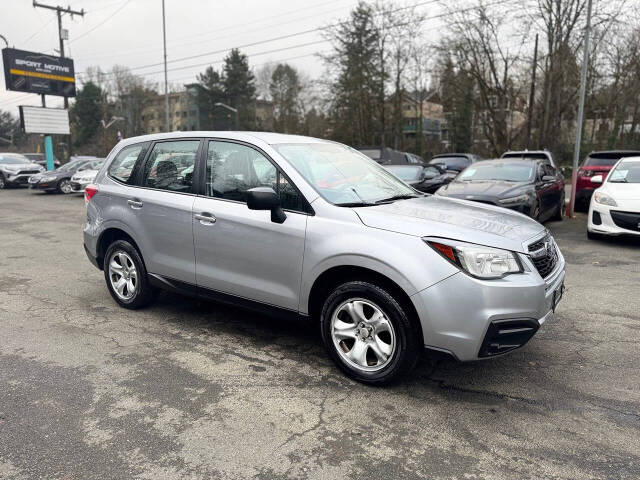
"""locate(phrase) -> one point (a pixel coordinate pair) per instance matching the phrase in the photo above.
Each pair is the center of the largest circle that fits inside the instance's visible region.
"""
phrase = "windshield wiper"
(355, 204)
(395, 197)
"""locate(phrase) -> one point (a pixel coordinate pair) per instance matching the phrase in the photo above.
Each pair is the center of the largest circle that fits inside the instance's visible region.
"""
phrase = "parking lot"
(188, 389)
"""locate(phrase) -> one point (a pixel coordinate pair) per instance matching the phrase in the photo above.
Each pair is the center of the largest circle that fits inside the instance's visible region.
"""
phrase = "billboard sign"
(50, 121)
(38, 73)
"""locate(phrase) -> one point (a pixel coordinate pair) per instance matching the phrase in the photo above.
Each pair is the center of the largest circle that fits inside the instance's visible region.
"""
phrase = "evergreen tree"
(285, 90)
(86, 113)
(457, 103)
(356, 91)
(210, 93)
(239, 87)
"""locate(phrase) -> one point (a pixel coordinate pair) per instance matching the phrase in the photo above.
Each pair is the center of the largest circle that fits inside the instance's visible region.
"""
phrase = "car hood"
(493, 188)
(21, 166)
(86, 174)
(435, 216)
(622, 191)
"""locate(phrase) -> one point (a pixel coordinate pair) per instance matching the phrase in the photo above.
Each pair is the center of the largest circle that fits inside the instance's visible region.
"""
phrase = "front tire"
(3, 184)
(126, 276)
(368, 334)
(64, 186)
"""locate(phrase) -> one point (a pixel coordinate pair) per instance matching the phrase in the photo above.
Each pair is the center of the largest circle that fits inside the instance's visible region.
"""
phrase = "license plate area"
(557, 296)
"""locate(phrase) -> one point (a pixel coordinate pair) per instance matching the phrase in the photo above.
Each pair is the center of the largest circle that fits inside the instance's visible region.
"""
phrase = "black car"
(41, 159)
(530, 186)
(386, 155)
(427, 178)
(59, 180)
(454, 161)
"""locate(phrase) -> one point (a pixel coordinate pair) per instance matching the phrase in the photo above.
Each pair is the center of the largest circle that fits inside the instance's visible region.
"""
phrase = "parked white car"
(82, 178)
(615, 206)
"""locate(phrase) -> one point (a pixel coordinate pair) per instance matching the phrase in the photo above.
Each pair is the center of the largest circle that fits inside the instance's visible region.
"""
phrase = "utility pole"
(61, 37)
(583, 85)
(166, 86)
(532, 95)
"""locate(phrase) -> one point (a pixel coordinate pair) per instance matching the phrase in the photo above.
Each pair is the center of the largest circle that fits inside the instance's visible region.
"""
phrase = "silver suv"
(310, 228)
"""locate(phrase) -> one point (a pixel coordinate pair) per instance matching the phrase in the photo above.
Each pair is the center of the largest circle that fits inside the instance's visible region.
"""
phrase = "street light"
(234, 110)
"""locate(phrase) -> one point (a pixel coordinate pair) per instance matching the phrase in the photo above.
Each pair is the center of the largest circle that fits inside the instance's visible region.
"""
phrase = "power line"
(124, 4)
(304, 32)
(173, 45)
(185, 67)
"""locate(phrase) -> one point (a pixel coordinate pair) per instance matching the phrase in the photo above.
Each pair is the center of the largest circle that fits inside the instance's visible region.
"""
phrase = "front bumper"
(606, 225)
(460, 314)
(78, 186)
(20, 179)
(36, 184)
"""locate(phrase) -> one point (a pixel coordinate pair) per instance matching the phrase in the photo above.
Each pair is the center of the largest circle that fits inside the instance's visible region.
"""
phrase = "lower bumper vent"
(506, 335)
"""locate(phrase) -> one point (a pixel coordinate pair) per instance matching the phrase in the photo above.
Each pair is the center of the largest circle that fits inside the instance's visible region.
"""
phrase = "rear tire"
(126, 276)
(3, 183)
(368, 334)
(559, 215)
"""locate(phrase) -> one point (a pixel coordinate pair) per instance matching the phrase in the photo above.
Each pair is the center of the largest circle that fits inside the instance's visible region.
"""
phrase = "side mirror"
(596, 179)
(265, 198)
(548, 178)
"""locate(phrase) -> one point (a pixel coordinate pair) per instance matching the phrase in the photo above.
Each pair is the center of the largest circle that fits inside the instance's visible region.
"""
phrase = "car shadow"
(300, 341)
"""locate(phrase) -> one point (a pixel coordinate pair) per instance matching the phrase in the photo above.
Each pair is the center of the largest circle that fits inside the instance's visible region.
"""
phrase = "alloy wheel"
(363, 335)
(65, 186)
(1, 182)
(123, 275)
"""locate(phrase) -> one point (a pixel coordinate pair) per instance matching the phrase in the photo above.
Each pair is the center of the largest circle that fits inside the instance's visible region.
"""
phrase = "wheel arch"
(334, 276)
(110, 235)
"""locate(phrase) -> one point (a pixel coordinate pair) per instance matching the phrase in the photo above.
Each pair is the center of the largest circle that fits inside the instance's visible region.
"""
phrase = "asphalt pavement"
(187, 389)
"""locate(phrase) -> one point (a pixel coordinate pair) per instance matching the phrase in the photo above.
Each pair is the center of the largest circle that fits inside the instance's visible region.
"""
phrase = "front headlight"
(477, 260)
(514, 200)
(47, 178)
(604, 199)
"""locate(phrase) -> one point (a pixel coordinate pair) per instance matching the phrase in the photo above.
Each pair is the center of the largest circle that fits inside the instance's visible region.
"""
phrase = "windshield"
(343, 176)
(13, 160)
(71, 166)
(453, 162)
(608, 159)
(540, 156)
(407, 174)
(508, 172)
(626, 172)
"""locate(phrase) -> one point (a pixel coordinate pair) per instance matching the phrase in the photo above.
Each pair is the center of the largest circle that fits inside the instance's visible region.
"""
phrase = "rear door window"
(170, 166)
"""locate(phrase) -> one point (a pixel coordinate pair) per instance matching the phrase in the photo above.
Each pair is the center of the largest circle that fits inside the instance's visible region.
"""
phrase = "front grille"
(544, 255)
(28, 172)
(626, 220)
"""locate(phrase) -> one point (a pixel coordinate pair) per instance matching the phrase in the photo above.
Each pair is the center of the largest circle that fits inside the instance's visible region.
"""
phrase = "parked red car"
(596, 163)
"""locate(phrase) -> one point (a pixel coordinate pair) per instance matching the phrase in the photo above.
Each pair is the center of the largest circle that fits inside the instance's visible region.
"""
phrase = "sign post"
(48, 152)
(42, 74)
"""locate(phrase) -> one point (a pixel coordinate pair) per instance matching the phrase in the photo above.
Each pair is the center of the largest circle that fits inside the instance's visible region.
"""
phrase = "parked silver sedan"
(310, 228)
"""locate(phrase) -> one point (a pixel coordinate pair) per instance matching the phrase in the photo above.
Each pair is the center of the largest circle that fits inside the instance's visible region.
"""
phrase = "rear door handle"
(205, 218)
(135, 203)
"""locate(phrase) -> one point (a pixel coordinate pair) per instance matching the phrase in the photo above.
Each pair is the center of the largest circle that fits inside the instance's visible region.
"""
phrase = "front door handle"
(205, 218)
(135, 203)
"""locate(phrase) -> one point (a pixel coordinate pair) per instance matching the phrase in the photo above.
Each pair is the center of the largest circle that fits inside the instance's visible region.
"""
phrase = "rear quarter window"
(121, 168)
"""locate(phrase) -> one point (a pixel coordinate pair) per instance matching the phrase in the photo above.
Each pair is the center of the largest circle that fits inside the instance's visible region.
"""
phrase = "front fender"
(404, 259)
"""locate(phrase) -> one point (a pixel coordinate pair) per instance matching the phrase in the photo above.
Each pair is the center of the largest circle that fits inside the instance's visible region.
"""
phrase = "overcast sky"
(129, 32)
